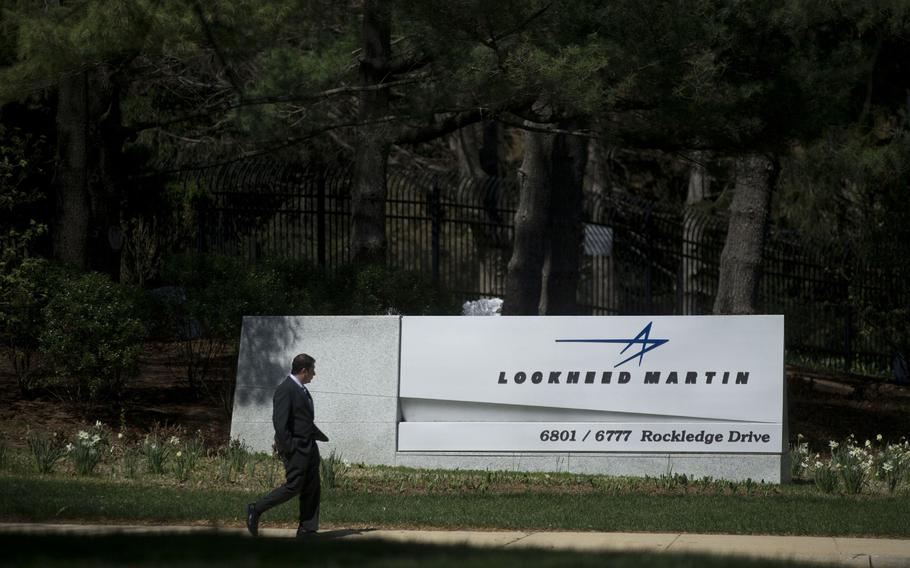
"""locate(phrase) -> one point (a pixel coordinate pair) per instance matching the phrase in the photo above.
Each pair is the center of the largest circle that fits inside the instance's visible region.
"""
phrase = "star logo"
(643, 339)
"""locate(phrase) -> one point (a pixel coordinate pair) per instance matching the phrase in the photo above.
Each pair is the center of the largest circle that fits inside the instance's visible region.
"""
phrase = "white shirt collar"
(299, 384)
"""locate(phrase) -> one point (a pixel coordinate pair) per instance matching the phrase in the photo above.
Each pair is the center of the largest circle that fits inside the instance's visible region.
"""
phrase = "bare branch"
(275, 99)
(445, 126)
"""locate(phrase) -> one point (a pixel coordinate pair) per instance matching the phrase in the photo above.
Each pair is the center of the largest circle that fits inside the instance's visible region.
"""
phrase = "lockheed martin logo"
(643, 339)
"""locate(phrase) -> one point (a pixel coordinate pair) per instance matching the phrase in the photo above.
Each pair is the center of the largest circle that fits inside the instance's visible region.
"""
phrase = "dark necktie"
(309, 399)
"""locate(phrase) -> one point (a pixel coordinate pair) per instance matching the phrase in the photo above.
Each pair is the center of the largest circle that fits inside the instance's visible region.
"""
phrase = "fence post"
(320, 216)
(202, 225)
(435, 229)
(648, 276)
(848, 339)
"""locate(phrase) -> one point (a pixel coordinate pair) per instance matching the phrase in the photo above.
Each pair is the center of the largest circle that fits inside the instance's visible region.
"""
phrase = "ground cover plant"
(169, 476)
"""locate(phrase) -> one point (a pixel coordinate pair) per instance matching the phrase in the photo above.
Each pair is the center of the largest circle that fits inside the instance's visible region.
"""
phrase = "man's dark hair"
(301, 362)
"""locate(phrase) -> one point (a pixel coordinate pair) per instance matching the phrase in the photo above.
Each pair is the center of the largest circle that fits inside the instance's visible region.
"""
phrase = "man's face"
(306, 375)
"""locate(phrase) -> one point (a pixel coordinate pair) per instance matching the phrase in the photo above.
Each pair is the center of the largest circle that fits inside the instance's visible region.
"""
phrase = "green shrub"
(332, 471)
(91, 338)
(157, 449)
(87, 448)
(130, 463)
(46, 450)
(356, 290)
(853, 463)
(892, 464)
(824, 474)
(187, 457)
(233, 459)
(24, 293)
(799, 456)
(209, 298)
(380, 290)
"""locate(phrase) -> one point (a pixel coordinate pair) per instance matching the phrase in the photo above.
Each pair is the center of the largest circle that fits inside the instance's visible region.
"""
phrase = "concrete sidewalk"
(865, 552)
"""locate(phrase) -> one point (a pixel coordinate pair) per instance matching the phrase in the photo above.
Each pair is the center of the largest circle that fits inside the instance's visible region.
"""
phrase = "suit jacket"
(292, 415)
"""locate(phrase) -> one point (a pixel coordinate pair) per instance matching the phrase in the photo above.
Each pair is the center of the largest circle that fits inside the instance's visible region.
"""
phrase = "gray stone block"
(353, 408)
(736, 467)
(257, 435)
(355, 390)
(360, 442)
(354, 354)
(356, 398)
(508, 461)
(635, 465)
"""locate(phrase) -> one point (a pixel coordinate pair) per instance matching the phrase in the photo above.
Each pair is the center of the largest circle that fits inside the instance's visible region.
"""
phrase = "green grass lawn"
(786, 510)
(221, 550)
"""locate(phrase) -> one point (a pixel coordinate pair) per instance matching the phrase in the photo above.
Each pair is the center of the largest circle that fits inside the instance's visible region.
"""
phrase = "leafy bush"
(356, 290)
(205, 309)
(332, 471)
(892, 463)
(91, 337)
(157, 449)
(854, 464)
(208, 295)
(824, 474)
(24, 293)
(86, 450)
(46, 450)
(232, 460)
(799, 456)
(187, 456)
(379, 290)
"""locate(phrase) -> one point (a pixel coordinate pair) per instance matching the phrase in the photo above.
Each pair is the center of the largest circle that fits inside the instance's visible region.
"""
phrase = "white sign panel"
(667, 384)
(589, 436)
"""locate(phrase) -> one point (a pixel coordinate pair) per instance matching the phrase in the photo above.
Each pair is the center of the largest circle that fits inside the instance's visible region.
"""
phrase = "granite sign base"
(356, 399)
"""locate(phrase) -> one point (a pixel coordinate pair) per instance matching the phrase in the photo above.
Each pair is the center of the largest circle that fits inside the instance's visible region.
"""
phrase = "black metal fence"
(638, 258)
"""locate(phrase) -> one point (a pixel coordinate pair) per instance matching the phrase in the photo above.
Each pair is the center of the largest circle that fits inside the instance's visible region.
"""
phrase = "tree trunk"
(561, 267)
(740, 262)
(693, 230)
(597, 169)
(369, 190)
(89, 147)
(524, 278)
(73, 210)
(481, 191)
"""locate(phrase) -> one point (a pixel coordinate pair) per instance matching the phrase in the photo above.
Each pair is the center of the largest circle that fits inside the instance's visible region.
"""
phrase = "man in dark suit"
(295, 441)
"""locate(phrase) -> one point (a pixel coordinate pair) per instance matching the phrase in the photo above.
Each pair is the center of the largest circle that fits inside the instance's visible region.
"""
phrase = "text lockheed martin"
(623, 377)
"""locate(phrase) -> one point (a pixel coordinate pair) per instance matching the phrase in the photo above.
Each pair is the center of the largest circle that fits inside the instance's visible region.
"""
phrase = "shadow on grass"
(232, 550)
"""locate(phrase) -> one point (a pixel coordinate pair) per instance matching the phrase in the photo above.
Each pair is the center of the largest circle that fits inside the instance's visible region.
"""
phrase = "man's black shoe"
(305, 534)
(252, 519)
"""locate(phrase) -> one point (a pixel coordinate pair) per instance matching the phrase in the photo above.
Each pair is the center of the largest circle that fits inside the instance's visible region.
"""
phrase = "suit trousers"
(301, 470)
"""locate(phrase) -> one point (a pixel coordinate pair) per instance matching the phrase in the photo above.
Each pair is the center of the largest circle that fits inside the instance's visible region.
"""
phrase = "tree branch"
(232, 77)
(494, 39)
(272, 99)
(447, 125)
